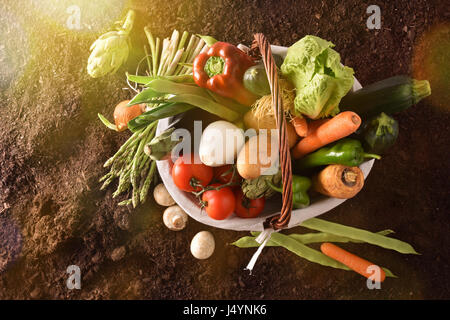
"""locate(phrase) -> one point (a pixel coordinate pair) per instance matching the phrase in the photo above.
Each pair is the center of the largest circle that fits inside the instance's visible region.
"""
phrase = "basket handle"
(282, 220)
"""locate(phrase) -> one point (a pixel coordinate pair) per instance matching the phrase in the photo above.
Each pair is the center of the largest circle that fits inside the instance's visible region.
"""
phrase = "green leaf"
(107, 123)
(144, 80)
(181, 78)
(359, 234)
(235, 106)
(156, 113)
(208, 40)
(208, 105)
(139, 79)
(170, 87)
(145, 96)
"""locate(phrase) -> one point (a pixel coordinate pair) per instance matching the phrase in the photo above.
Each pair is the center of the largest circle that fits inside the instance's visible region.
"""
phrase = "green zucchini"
(390, 96)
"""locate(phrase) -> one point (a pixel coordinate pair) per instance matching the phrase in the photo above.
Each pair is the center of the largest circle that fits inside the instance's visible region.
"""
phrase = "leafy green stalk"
(106, 122)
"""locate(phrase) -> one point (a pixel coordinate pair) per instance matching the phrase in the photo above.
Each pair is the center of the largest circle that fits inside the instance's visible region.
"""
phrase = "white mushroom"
(162, 196)
(202, 245)
(175, 218)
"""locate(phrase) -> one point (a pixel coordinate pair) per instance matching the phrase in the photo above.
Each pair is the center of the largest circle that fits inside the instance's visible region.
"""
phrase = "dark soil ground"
(52, 147)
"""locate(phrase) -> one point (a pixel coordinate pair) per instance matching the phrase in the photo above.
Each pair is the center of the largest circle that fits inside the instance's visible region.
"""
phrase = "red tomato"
(219, 204)
(185, 174)
(224, 174)
(248, 208)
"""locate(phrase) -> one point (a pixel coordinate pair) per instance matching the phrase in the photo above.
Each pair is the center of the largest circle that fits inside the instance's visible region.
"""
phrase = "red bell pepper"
(221, 69)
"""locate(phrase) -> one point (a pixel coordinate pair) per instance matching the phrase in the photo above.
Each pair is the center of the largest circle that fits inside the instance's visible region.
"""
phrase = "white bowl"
(190, 204)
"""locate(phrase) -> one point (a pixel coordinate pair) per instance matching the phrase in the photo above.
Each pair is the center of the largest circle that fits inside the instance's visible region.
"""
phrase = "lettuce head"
(318, 76)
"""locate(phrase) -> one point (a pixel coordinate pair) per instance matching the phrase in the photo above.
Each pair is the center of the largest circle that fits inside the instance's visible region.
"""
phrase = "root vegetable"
(300, 126)
(203, 245)
(352, 261)
(292, 135)
(162, 196)
(266, 122)
(259, 154)
(339, 181)
(123, 114)
(175, 218)
(341, 126)
(220, 143)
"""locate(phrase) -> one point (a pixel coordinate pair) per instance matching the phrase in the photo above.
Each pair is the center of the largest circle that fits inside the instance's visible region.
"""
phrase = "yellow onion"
(123, 114)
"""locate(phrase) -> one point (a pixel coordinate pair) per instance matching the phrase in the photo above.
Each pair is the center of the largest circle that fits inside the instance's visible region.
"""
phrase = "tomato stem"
(198, 194)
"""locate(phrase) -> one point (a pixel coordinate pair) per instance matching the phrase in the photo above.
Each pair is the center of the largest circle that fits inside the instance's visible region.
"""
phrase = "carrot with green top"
(357, 264)
(342, 125)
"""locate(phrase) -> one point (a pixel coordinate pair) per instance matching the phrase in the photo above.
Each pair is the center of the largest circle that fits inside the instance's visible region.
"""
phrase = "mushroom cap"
(175, 218)
(162, 196)
(203, 245)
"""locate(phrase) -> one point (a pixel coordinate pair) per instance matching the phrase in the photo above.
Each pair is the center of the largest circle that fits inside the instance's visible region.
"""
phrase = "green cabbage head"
(318, 76)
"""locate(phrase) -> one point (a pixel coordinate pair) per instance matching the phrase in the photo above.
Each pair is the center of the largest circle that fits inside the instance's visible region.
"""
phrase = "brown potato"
(255, 159)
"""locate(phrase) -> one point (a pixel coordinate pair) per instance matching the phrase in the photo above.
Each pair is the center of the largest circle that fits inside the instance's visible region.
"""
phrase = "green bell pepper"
(300, 186)
(347, 152)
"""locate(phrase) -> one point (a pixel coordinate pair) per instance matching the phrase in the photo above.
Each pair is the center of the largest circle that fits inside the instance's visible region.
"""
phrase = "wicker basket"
(273, 217)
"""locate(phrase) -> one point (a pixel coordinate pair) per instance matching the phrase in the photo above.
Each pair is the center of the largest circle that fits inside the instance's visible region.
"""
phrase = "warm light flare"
(13, 49)
(431, 61)
(81, 15)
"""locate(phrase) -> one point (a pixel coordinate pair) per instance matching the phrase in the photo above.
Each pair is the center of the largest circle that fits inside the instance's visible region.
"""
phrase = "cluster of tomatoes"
(218, 188)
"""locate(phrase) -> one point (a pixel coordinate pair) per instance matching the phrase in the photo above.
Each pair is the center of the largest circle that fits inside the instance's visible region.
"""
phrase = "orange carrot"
(300, 126)
(313, 125)
(352, 261)
(342, 125)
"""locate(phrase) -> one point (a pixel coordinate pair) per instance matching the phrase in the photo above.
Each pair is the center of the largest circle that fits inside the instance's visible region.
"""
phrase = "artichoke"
(161, 146)
(258, 187)
(111, 50)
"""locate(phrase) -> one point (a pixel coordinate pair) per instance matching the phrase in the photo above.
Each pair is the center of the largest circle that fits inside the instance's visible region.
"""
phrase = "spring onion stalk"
(151, 42)
(174, 62)
(164, 53)
(173, 45)
(185, 54)
(183, 40)
(147, 57)
(157, 55)
(190, 57)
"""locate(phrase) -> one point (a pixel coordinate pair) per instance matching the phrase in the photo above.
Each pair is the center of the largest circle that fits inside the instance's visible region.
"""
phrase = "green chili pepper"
(300, 186)
(347, 152)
